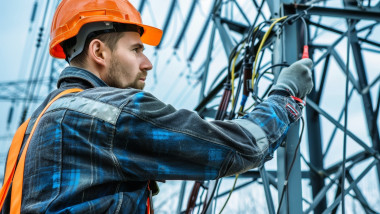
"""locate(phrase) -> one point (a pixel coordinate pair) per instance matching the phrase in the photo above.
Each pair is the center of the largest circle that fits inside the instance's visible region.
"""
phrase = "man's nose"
(146, 65)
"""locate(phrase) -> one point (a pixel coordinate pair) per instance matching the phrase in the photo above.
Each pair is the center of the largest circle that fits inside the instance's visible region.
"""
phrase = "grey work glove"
(296, 79)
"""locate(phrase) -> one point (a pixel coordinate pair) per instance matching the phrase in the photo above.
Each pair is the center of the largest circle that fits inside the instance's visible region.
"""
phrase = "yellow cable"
(261, 46)
(229, 195)
(249, 107)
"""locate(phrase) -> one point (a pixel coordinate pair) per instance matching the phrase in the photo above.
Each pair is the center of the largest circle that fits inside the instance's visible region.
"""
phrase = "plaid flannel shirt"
(94, 151)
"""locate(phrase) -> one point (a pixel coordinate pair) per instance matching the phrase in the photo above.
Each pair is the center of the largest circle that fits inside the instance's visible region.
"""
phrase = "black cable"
(200, 199)
(216, 79)
(305, 31)
(291, 166)
(255, 95)
(284, 64)
(232, 112)
(211, 197)
(228, 80)
(252, 35)
(345, 115)
(327, 175)
(231, 57)
(252, 31)
(256, 87)
(336, 128)
(35, 72)
(295, 17)
(217, 194)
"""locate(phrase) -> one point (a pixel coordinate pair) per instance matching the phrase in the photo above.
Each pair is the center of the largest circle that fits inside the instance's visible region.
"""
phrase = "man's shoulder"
(113, 96)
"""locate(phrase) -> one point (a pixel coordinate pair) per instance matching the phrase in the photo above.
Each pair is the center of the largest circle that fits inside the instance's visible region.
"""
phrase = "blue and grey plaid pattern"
(94, 151)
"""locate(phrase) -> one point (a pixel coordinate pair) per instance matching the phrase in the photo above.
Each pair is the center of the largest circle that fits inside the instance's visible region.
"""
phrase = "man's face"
(128, 65)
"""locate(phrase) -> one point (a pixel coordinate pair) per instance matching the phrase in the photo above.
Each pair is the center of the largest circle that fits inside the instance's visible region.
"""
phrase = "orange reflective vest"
(14, 171)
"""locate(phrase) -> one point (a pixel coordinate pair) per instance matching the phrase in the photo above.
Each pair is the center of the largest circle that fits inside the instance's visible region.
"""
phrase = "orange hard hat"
(71, 15)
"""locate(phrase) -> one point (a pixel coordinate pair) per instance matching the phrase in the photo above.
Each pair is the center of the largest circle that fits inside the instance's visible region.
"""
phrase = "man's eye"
(138, 50)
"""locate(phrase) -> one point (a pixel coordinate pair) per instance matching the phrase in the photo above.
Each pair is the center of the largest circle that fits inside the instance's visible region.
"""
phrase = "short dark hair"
(110, 39)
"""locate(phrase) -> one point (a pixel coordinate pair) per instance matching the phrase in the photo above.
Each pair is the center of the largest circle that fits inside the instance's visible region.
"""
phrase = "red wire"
(305, 53)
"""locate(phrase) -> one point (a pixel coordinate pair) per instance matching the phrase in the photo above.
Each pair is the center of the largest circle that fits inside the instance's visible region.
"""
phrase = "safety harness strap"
(15, 171)
(13, 153)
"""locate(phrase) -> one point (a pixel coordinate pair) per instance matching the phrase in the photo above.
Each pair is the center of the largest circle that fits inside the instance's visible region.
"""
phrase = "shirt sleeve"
(155, 141)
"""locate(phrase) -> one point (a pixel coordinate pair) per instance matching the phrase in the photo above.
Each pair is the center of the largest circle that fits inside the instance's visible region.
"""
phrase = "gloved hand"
(296, 79)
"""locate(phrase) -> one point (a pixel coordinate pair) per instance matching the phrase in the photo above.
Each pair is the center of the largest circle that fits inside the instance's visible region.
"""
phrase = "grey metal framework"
(337, 158)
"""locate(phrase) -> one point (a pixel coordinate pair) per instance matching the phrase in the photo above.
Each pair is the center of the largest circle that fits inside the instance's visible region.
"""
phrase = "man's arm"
(156, 141)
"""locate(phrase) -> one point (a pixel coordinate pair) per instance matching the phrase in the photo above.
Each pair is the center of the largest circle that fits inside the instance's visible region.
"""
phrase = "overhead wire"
(262, 44)
(28, 45)
(253, 34)
(35, 73)
(345, 115)
(223, 107)
(341, 114)
(217, 194)
(247, 64)
(21, 72)
(45, 59)
(254, 76)
(233, 72)
(217, 78)
(232, 112)
(229, 195)
(261, 75)
(284, 189)
(324, 175)
(44, 64)
(255, 88)
(200, 198)
(304, 55)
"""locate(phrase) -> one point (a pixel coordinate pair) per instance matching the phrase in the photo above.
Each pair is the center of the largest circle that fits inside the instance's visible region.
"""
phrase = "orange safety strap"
(13, 153)
(16, 171)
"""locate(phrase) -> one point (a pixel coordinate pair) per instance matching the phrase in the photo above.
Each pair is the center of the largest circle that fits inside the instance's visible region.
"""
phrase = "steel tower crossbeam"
(347, 13)
(367, 101)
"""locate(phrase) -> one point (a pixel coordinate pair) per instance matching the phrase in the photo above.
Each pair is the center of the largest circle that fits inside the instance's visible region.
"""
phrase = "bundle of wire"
(249, 49)
(252, 50)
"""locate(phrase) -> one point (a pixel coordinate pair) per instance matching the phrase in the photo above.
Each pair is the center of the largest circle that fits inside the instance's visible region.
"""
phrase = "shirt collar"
(88, 79)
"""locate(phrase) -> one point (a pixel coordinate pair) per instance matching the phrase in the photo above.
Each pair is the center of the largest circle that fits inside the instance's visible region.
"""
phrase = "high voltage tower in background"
(238, 48)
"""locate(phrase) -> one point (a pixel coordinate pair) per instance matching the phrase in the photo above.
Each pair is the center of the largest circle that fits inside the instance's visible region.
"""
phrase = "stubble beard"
(116, 72)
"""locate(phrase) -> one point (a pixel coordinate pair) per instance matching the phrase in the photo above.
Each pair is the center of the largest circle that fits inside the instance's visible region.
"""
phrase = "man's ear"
(98, 52)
